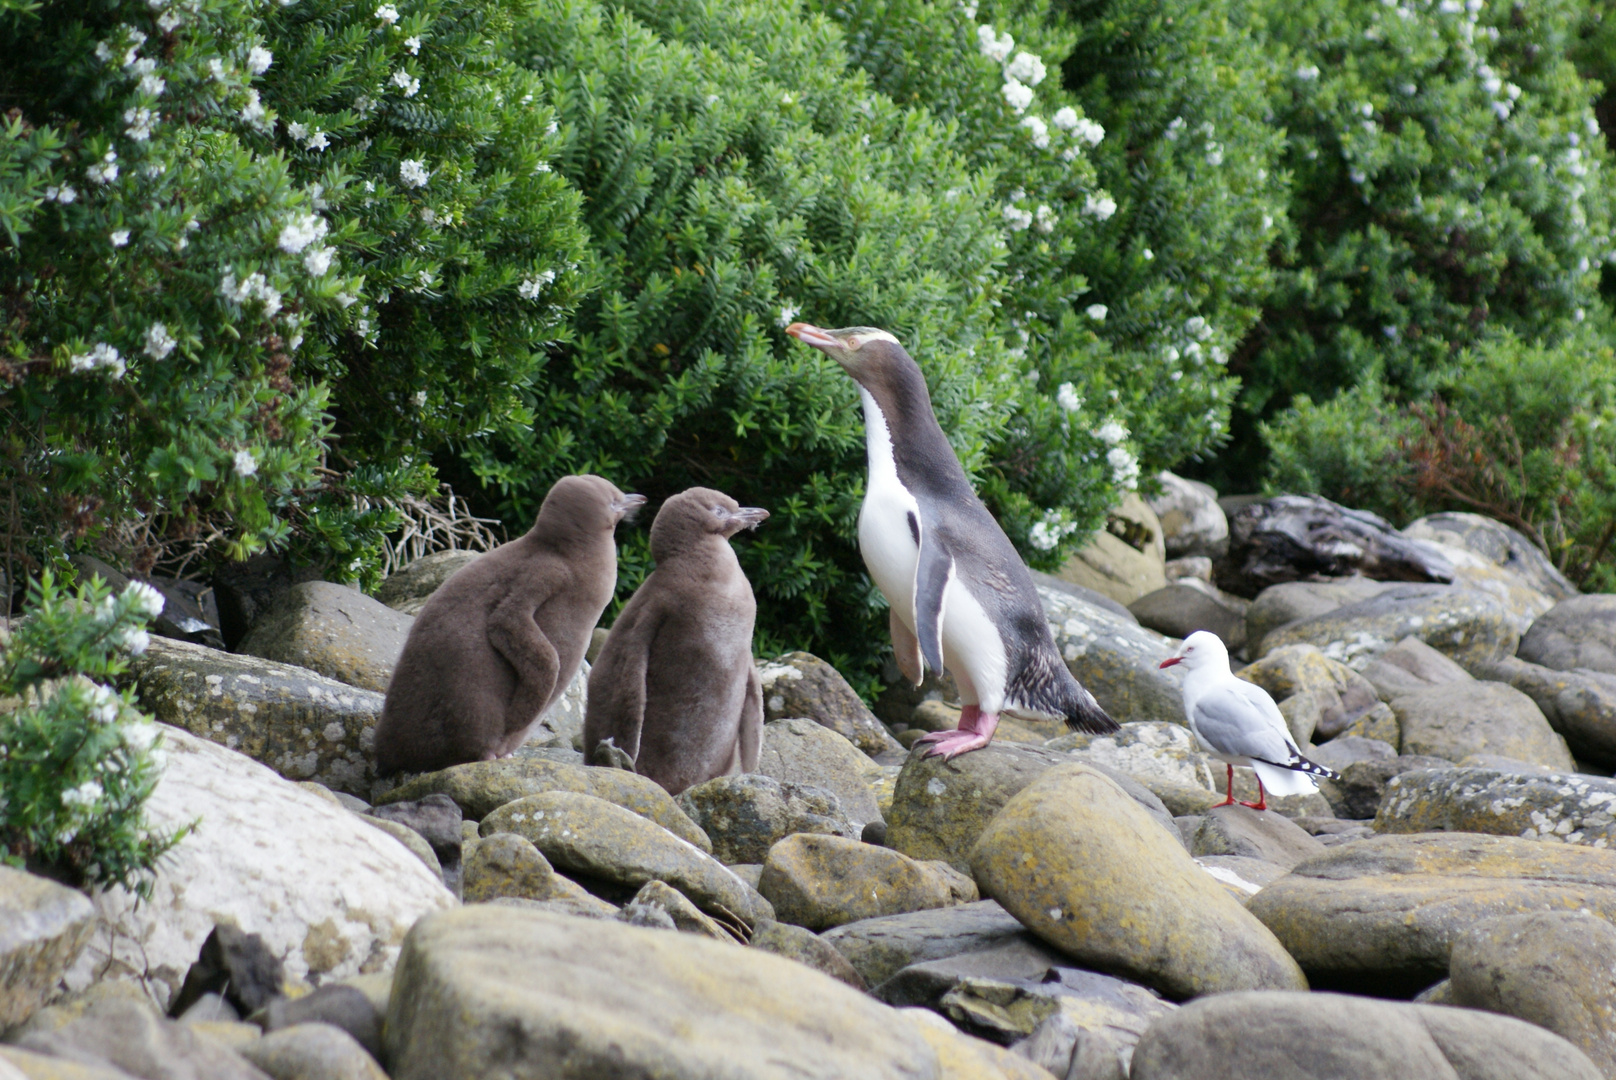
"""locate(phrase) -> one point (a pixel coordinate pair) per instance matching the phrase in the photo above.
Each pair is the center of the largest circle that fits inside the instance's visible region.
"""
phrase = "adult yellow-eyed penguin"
(1238, 723)
(960, 596)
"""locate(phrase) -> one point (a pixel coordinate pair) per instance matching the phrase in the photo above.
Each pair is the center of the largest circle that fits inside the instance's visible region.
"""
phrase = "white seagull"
(1238, 723)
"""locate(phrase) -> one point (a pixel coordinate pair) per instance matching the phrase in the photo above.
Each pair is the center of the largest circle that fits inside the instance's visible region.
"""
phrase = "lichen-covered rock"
(481, 787)
(800, 684)
(590, 837)
(1180, 608)
(334, 630)
(1095, 1025)
(132, 1037)
(1499, 544)
(1566, 807)
(1383, 913)
(1468, 626)
(823, 881)
(622, 1000)
(1287, 1036)
(748, 814)
(800, 751)
(43, 927)
(508, 865)
(1086, 869)
(1553, 969)
(1356, 796)
(1124, 560)
(659, 904)
(1576, 633)
(301, 724)
(1580, 705)
(1319, 697)
(1454, 720)
(879, 948)
(1116, 659)
(1285, 603)
(805, 947)
(330, 894)
(408, 590)
(1192, 522)
(1155, 753)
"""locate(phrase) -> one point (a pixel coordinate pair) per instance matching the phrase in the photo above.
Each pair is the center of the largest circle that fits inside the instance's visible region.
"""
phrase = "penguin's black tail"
(1045, 687)
(1085, 714)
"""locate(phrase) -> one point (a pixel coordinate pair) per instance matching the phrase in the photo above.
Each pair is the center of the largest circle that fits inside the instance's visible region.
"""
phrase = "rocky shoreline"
(1056, 904)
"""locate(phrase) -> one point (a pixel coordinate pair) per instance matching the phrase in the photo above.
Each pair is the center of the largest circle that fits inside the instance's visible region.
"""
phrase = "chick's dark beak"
(628, 506)
(750, 517)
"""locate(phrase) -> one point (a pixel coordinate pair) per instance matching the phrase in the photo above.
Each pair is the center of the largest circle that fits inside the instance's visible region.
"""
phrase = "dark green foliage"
(77, 758)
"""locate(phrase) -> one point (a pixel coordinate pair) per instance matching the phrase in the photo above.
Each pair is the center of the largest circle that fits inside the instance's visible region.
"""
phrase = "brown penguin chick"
(674, 686)
(500, 640)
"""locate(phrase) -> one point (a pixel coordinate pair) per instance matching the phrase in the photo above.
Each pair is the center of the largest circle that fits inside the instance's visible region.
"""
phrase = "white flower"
(1066, 397)
(1017, 218)
(1197, 327)
(1045, 219)
(1102, 206)
(1307, 73)
(152, 85)
(1017, 95)
(159, 343)
(1026, 68)
(1089, 131)
(169, 21)
(317, 141)
(346, 300)
(245, 464)
(1050, 530)
(1501, 109)
(541, 167)
(429, 215)
(1066, 118)
(101, 356)
(103, 51)
(1124, 467)
(297, 131)
(120, 237)
(388, 14)
(1039, 130)
(259, 59)
(64, 194)
(86, 794)
(1512, 91)
(216, 69)
(253, 111)
(253, 287)
(420, 399)
(1356, 176)
(413, 44)
(139, 121)
(968, 8)
(1148, 255)
(132, 640)
(318, 260)
(138, 737)
(1097, 312)
(533, 286)
(408, 84)
(788, 315)
(1111, 432)
(1390, 332)
(300, 232)
(412, 173)
(995, 49)
(104, 171)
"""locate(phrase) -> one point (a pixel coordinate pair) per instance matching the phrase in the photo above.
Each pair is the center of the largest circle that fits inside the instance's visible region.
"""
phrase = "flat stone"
(1116, 659)
(622, 1000)
(43, 928)
(800, 684)
(880, 948)
(748, 814)
(408, 590)
(1499, 544)
(1022, 958)
(1469, 627)
(301, 724)
(1344, 750)
(1411, 665)
(334, 630)
(1180, 608)
(1383, 913)
(1278, 605)
(1580, 705)
(1096, 1024)
(330, 894)
(1085, 868)
(1579, 632)
(1319, 697)
(825, 881)
(1564, 807)
(1453, 720)
(481, 787)
(312, 1052)
(1124, 560)
(801, 751)
(1241, 876)
(1192, 522)
(805, 947)
(1254, 1036)
(658, 903)
(590, 837)
(1552, 969)
(1255, 834)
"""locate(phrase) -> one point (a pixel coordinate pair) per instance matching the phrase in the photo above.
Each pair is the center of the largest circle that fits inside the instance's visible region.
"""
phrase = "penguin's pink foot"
(975, 731)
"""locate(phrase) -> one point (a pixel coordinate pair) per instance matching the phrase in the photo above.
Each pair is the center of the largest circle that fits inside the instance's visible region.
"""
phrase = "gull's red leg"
(1228, 788)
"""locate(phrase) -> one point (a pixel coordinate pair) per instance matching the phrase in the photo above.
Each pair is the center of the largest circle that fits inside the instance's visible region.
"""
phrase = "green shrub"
(1450, 186)
(1136, 179)
(77, 758)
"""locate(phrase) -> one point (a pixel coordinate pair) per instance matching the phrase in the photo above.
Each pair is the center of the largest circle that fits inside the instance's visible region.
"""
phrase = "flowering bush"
(1450, 186)
(77, 758)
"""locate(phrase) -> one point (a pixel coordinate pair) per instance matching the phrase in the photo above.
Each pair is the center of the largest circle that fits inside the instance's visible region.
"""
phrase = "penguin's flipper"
(905, 648)
(932, 575)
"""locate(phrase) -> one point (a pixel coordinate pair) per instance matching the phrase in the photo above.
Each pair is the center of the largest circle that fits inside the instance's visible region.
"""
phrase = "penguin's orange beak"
(1170, 661)
(809, 334)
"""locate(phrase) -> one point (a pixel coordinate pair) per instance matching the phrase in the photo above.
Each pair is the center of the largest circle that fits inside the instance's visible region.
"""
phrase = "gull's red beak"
(1170, 661)
(809, 334)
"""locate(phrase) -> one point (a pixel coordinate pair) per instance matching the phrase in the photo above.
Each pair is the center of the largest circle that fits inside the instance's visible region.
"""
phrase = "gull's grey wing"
(1260, 698)
(1235, 725)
